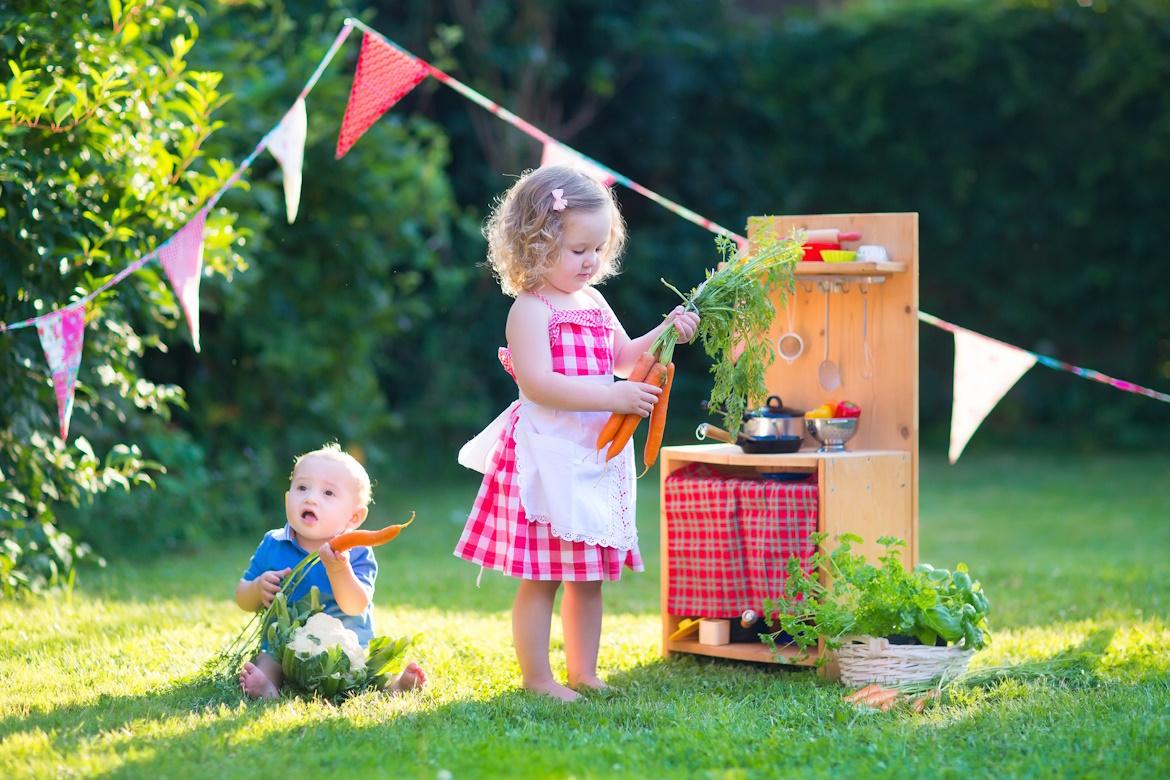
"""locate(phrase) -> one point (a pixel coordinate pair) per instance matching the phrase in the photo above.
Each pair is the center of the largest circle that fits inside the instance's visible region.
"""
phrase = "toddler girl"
(550, 508)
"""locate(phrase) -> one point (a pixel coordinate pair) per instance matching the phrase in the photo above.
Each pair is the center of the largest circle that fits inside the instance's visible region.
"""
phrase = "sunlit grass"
(1071, 551)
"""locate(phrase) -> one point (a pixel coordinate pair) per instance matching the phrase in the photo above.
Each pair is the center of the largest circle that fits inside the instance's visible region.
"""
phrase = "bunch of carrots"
(734, 304)
(884, 699)
(247, 643)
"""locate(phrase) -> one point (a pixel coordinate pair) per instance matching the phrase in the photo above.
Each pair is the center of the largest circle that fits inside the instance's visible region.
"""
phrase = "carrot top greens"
(734, 304)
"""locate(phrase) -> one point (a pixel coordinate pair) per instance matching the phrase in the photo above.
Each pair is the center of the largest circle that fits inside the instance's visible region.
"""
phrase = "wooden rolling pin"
(830, 236)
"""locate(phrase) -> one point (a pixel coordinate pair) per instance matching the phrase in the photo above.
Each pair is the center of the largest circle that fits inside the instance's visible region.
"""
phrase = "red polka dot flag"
(384, 76)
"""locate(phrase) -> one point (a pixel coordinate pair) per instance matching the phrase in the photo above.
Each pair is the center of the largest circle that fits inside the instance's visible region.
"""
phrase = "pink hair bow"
(559, 201)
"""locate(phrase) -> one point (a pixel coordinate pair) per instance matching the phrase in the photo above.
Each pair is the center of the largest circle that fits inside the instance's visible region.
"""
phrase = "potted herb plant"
(882, 623)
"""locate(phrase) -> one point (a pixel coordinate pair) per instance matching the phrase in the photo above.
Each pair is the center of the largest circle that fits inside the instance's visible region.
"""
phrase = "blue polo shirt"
(280, 550)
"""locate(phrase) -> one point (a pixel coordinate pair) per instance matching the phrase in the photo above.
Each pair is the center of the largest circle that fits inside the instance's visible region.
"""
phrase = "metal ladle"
(828, 373)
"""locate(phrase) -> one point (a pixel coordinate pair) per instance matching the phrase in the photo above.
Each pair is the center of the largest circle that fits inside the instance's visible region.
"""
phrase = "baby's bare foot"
(555, 690)
(412, 679)
(594, 682)
(255, 684)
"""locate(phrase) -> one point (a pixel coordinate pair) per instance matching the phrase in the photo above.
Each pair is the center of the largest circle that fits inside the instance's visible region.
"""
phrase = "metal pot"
(752, 445)
(774, 419)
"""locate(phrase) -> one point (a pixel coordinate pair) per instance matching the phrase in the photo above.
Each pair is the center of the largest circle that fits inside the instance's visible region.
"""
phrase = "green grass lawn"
(1073, 552)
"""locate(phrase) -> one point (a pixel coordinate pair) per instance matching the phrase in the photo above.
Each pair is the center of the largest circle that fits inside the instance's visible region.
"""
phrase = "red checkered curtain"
(729, 539)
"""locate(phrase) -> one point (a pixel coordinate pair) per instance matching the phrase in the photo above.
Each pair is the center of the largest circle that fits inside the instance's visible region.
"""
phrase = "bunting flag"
(985, 369)
(559, 154)
(287, 144)
(182, 259)
(62, 333)
(384, 76)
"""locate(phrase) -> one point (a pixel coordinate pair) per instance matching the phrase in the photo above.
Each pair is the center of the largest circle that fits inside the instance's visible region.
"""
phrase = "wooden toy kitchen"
(731, 518)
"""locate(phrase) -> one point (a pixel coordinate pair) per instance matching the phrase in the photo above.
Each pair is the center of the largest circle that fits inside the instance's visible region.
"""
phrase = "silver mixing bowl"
(831, 432)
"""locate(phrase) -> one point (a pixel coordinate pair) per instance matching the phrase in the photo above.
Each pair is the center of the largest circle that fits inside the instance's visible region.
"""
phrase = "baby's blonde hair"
(524, 231)
(332, 451)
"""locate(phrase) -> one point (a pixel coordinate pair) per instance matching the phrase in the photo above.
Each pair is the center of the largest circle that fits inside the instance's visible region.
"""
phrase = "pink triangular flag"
(182, 259)
(985, 370)
(287, 144)
(62, 333)
(559, 154)
(384, 76)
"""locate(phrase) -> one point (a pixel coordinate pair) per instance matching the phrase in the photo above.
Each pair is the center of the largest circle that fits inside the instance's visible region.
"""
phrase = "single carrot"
(625, 433)
(640, 371)
(351, 539)
(658, 420)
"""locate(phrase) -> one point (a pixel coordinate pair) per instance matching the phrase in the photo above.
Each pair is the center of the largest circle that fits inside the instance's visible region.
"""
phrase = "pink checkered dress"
(498, 535)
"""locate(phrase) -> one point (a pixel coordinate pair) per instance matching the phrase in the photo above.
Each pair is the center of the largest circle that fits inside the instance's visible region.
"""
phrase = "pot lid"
(774, 407)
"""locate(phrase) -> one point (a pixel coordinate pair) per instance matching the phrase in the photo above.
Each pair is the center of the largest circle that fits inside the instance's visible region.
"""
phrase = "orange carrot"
(861, 693)
(641, 369)
(351, 539)
(658, 420)
(609, 429)
(630, 424)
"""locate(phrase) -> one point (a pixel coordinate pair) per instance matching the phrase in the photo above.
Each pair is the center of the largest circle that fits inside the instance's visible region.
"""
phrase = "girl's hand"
(333, 561)
(269, 584)
(633, 398)
(685, 322)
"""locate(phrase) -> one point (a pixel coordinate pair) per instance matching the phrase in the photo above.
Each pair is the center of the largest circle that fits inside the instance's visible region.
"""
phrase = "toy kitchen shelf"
(871, 489)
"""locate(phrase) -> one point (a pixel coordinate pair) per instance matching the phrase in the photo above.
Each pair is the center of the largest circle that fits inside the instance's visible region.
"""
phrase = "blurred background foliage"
(1030, 135)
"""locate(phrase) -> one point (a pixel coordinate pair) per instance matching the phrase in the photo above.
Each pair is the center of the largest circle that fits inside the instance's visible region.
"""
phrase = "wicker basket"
(868, 659)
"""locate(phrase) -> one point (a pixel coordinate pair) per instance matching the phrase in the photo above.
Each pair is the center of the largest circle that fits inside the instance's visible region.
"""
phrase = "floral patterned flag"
(287, 144)
(182, 259)
(62, 333)
(384, 76)
(559, 154)
(985, 369)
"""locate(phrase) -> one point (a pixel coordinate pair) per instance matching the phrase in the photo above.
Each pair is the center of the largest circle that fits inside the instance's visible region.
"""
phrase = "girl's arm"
(348, 591)
(532, 361)
(626, 350)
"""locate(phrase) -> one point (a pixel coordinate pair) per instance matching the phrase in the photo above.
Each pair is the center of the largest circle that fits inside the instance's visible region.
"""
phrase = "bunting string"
(1051, 362)
(385, 73)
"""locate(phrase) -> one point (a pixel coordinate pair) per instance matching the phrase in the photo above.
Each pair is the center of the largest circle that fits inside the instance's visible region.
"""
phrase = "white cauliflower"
(321, 632)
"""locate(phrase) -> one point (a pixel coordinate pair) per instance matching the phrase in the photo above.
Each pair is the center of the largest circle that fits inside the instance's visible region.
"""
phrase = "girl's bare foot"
(555, 690)
(412, 679)
(593, 682)
(255, 684)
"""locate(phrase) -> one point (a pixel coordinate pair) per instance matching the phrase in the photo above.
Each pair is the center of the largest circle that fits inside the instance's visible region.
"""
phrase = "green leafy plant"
(103, 127)
(886, 600)
(735, 308)
(318, 655)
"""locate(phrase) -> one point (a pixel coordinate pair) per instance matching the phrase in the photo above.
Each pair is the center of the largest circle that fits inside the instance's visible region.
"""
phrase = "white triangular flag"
(985, 370)
(559, 154)
(182, 259)
(287, 144)
(62, 334)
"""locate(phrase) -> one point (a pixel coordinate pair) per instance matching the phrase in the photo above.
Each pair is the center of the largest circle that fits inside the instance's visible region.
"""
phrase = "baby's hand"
(269, 584)
(332, 560)
(685, 322)
(633, 398)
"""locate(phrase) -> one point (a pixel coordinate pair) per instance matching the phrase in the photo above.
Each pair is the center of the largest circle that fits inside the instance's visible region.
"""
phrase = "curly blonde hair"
(524, 231)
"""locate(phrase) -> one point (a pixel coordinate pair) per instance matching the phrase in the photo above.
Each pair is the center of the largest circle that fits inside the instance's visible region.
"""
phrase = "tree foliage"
(103, 125)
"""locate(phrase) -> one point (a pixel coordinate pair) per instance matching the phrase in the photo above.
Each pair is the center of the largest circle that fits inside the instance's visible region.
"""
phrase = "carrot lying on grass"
(351, 539)
(658, 421)
(630, 424)
(639, 373)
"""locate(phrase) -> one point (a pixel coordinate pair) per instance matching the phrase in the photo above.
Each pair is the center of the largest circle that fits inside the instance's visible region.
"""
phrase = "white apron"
(562, 480)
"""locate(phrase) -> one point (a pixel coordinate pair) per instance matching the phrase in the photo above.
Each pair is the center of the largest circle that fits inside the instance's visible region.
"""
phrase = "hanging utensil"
(867, 362)
(828, 374)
